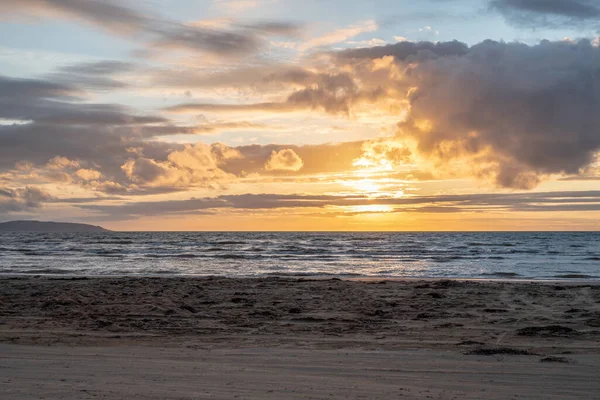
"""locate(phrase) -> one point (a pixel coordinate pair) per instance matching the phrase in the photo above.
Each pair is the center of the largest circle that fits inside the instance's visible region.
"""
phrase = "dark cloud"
(548, 13)
(150, 208)
(531, 202)
(159, 32)
(520, 112)
(96, 145)
(107, 13)
(34, 89)
(98, 134)
(99, 114)
(24, 199)
(238, 40)
(334, 93)
(275, 28)
(101, 75)
(27, 99)
(582, 178)
(176, 36)
(269, 107)
(410, 51)
(56, 103)
(100, 68)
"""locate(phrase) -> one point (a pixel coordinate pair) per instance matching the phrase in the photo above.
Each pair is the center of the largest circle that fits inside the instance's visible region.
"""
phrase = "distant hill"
(39, 226)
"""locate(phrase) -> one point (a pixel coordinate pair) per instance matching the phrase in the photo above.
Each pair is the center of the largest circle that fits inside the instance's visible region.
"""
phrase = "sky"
(229, 115)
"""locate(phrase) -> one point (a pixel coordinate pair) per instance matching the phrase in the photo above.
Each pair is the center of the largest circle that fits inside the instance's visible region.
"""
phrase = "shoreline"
(408, 279)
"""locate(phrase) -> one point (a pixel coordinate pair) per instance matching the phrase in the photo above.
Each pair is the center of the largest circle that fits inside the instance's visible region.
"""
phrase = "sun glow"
(371, 209)
(367, 186)
(368, 164)
(371, 175)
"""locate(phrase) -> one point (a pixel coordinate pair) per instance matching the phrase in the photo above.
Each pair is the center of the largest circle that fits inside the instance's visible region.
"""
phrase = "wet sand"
(297, 338)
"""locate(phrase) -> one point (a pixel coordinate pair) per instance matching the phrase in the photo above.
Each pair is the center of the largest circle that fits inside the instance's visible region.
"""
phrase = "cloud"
(57, 127)
(316, 159)
(383, 154)
(334, 93)
(88, 174)
(288, 29)
(151, 131)
(102, 147)
(518, 112)
(267, 107)
(34, 89)
(284, 160)
(500, 202)
(156, 31)
(508, 112)
(225, 43)
(99, 75)
(339, 35)
(60, 103)
(239, 6)
(548, 13)
(260, 78)
(106, 14)
(105, 148)
(61, 163)
(23, 199)
(195, 165)
(405, 51)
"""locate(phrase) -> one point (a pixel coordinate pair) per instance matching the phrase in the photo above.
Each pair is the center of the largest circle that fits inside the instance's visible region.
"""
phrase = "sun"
(368, 186)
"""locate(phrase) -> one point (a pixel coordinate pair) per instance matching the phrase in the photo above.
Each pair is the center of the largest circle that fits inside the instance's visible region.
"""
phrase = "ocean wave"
(111, 242)
(53, 271)
(445, 259)
(524, 251)
(256, 249)
(215, 249)
(574, 276)
(314, 274)
(29, 252)
(231, 256)
(106, 251)
(502, 274)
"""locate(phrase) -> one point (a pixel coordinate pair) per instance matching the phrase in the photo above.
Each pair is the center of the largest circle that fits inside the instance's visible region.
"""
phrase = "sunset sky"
(301, 115)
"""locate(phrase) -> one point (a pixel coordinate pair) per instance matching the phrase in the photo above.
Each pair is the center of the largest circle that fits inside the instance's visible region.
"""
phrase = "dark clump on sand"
(554, 359)
(547, 331)
(500, 350)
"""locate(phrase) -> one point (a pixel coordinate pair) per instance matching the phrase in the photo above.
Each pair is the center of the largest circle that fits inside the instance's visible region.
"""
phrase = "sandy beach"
(261, 338)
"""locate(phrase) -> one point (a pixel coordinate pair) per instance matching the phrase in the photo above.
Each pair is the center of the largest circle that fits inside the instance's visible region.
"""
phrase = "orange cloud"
(284, 160)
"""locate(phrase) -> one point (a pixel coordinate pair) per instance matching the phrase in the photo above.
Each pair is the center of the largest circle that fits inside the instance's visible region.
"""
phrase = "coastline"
(300, 277)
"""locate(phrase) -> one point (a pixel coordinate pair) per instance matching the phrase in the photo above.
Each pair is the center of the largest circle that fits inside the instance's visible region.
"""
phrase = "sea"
(475, 255)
